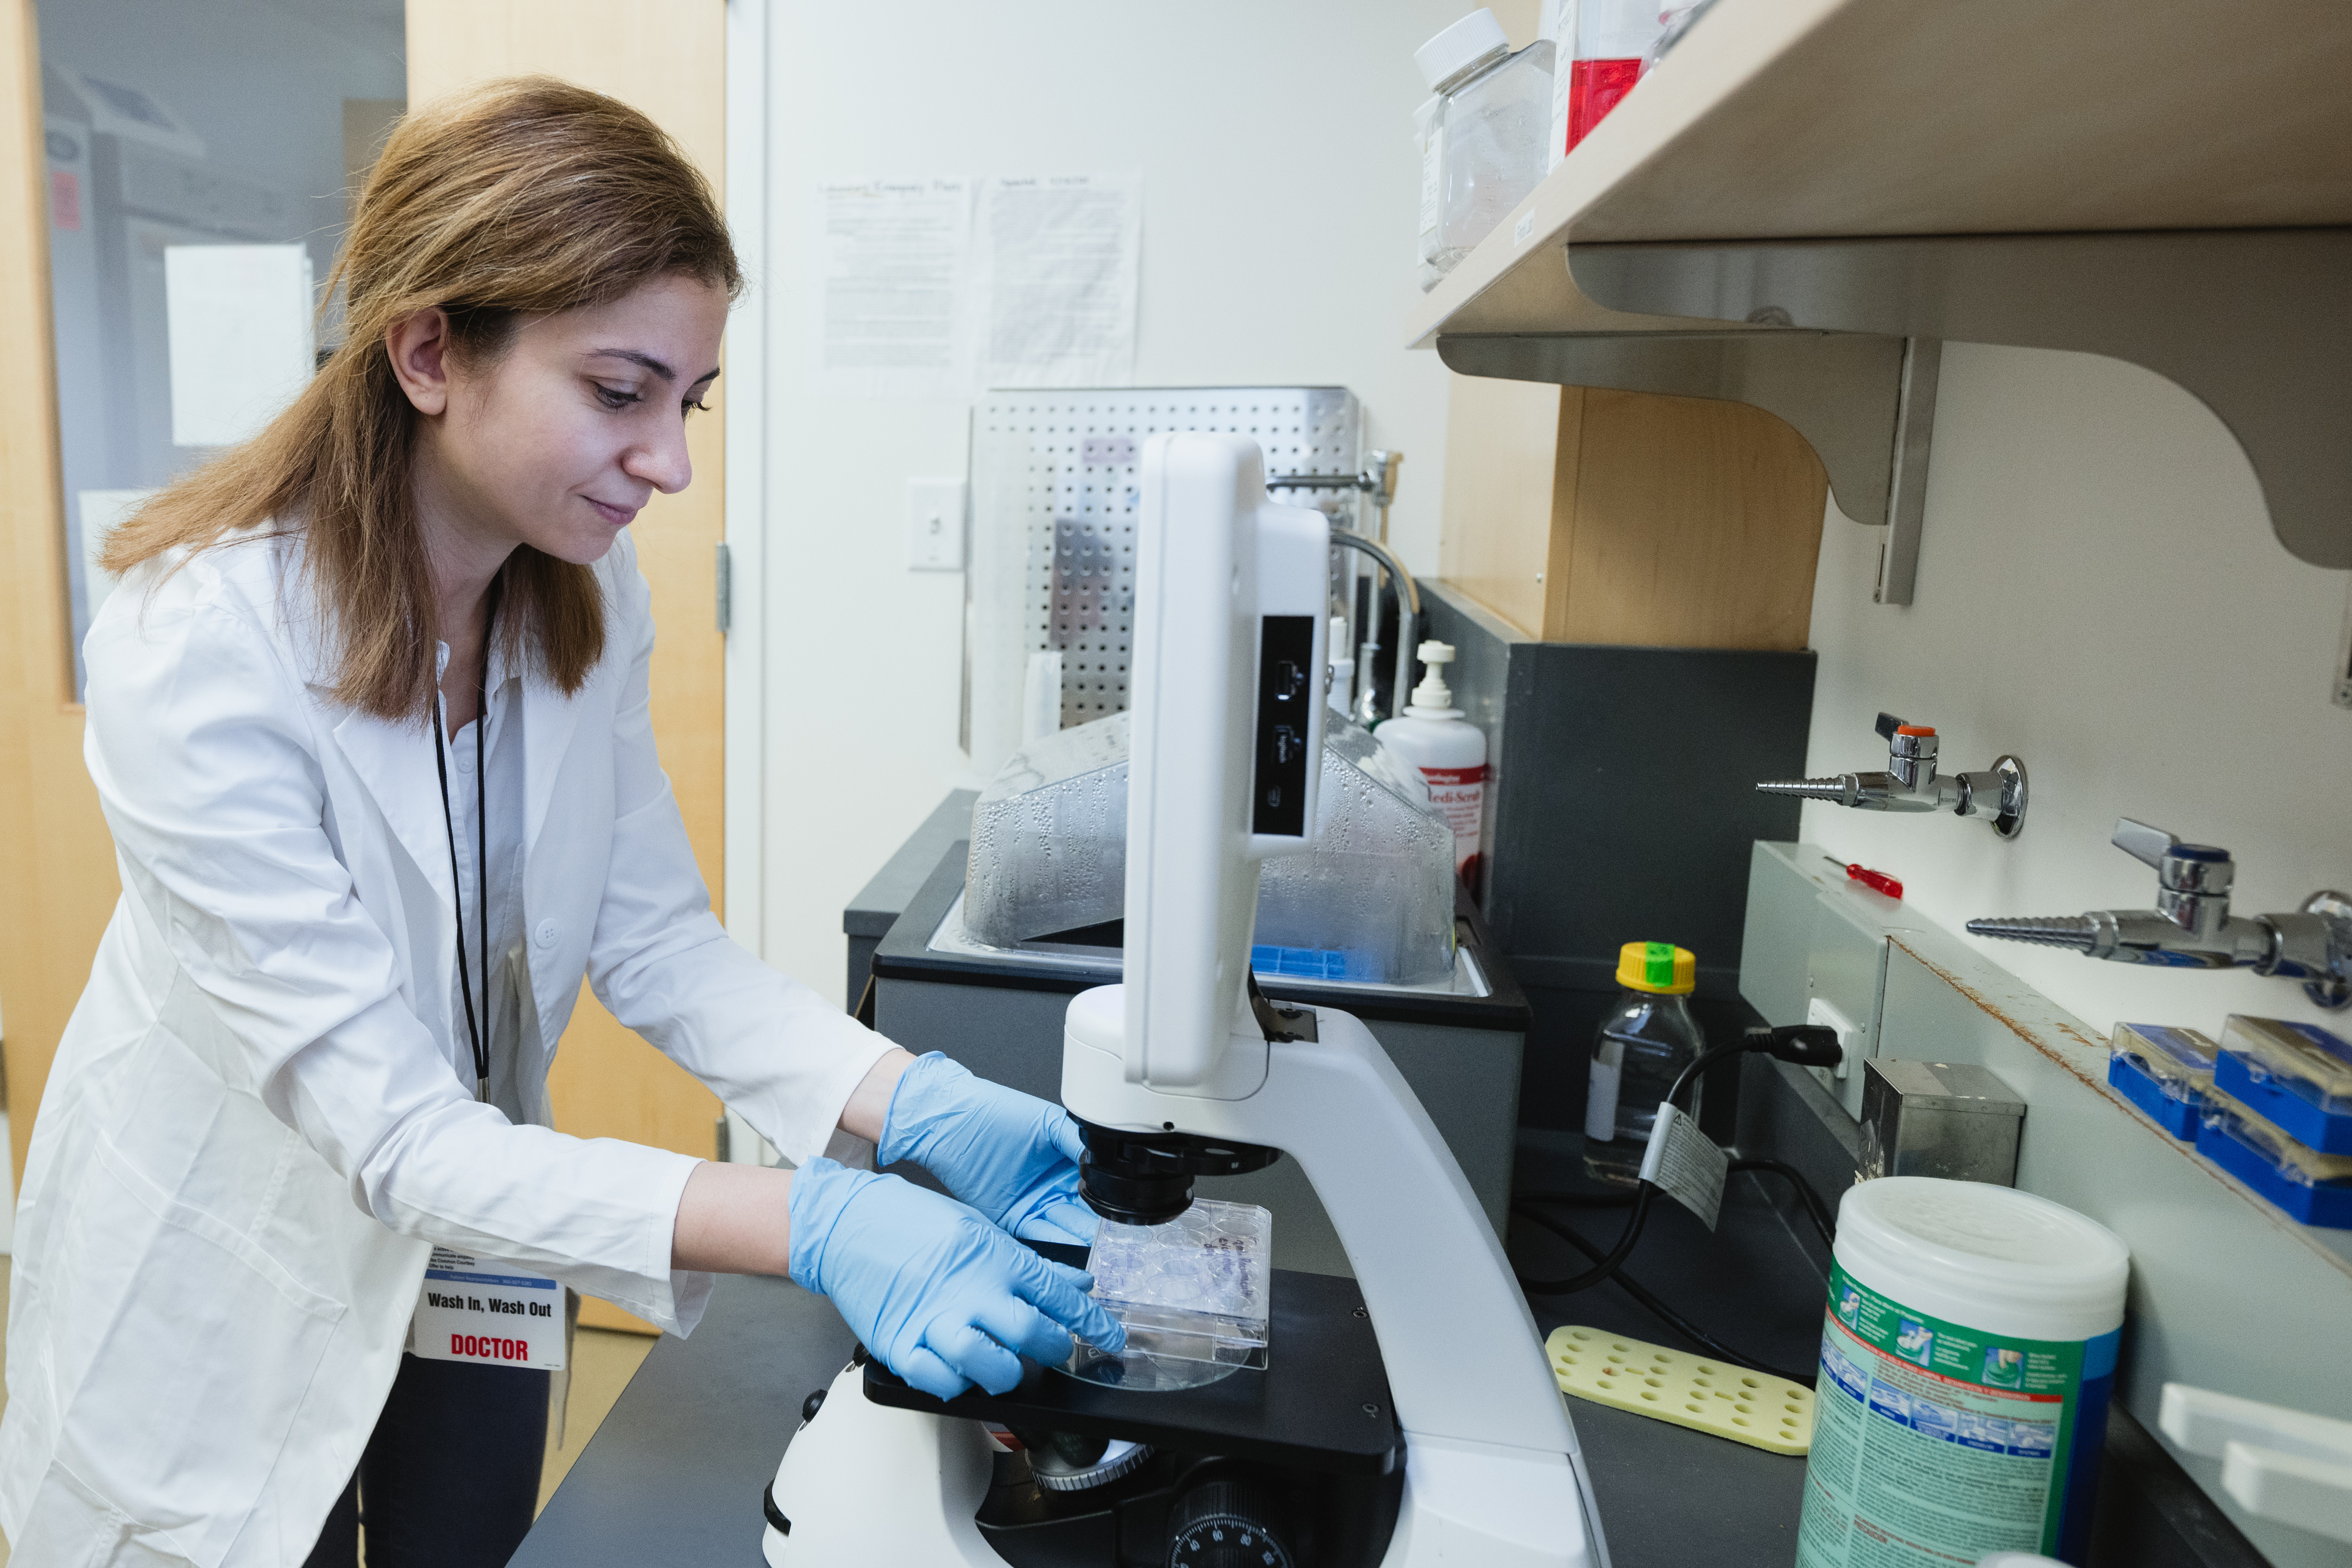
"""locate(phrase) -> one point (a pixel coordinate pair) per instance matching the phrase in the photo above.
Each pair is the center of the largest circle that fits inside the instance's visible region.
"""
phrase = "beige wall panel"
(668, 60)
(57, 882)
(1696, 524)
(1503, 447)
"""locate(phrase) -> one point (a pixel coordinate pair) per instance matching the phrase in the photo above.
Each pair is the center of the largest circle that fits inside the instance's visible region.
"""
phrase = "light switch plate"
(935, 530)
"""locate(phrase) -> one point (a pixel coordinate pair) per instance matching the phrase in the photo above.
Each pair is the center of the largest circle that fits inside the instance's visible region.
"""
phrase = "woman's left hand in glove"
(1011, 1156)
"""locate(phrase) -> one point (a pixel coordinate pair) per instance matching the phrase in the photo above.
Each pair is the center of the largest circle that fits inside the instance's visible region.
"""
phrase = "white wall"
(1280, 188)
(2100, 593)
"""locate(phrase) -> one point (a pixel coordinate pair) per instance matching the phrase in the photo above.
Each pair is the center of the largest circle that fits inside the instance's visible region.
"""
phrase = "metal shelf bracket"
(1866, 401)
(2254, 323)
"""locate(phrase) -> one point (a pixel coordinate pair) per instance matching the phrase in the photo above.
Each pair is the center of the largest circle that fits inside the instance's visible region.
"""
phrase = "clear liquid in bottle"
(1643, 1047)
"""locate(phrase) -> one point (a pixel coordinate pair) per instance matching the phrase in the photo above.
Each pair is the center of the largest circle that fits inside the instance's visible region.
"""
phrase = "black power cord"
(1824, 1225)
(1673, 1319)
(1807, 1045)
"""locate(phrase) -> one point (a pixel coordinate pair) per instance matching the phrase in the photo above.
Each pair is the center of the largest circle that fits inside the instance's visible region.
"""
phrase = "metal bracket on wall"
(2254, 323)
(1864, 402)
(1906, 482)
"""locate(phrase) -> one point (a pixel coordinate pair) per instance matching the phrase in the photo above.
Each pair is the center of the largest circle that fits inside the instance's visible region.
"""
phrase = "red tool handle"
(1877, 880)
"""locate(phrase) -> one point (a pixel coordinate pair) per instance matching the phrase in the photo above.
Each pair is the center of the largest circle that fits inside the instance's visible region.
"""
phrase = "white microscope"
(1414, 1425)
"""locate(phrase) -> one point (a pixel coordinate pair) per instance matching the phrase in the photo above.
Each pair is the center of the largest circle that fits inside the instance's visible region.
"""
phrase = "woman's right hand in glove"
(935, 1292)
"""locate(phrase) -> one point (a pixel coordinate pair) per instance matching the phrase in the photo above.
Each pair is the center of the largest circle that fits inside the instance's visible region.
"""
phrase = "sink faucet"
(1912, 784)
(2192, 926)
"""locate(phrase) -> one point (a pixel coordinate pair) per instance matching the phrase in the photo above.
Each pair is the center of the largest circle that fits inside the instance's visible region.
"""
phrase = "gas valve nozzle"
(2192, 926)
(2075, 931)
(1911, 783)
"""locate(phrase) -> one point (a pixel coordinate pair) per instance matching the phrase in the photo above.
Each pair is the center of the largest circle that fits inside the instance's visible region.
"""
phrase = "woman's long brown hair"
(516, 199)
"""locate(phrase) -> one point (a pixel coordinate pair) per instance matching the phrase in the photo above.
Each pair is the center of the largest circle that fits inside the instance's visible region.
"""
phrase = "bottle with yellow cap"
(1645, 1044)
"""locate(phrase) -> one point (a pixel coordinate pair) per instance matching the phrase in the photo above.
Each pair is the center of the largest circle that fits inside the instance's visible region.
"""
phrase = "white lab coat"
(260, 1118)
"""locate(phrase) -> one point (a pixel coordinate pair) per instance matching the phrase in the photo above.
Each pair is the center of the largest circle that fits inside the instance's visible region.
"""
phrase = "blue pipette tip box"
(2313, 1187)
(1306, 963)
(2296, 1076)
(2164, 1071)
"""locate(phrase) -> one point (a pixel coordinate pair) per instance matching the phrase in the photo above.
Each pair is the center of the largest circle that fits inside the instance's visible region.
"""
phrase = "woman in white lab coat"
(367, 716)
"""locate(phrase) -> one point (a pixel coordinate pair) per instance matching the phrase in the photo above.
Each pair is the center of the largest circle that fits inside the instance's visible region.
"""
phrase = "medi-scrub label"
(1936, 1442)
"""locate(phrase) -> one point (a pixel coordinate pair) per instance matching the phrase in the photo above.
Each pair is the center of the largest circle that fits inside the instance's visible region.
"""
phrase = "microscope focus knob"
(1224, 1523)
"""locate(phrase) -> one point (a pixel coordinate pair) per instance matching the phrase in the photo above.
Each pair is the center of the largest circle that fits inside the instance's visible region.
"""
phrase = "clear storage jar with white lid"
(1485, 146)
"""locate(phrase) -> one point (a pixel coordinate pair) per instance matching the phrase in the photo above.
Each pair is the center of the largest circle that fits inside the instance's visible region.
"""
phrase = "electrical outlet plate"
(1850, 1043)
(935, 530)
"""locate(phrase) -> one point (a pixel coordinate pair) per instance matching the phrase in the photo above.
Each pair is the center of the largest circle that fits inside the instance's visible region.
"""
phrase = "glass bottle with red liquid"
(1610, 38)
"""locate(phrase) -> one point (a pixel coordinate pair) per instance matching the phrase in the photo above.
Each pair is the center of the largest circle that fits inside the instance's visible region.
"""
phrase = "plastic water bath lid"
(1990, 1256)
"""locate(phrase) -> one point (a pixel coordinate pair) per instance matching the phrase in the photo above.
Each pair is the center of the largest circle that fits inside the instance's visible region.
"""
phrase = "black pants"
(450, 1476)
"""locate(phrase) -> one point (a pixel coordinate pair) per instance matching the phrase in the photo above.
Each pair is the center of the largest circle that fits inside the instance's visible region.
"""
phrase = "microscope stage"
(1320, 1404)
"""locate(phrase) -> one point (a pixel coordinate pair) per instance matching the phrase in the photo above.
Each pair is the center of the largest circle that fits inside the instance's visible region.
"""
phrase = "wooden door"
(57, 882)
(670, 60)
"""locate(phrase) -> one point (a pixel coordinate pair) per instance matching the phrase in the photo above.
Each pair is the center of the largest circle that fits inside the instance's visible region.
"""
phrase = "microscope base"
(891, 1487)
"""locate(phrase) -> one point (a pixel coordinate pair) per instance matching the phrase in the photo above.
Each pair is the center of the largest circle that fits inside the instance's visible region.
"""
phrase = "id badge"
(482, 1310)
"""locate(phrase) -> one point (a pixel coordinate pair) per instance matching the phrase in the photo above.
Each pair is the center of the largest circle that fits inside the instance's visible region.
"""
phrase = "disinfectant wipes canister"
(1966, 1355)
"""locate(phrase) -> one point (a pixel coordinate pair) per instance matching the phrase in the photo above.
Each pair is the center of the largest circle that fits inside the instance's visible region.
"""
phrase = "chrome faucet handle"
(2192, 880)
(2143, 842)
(2179, 867)
(1888, 724)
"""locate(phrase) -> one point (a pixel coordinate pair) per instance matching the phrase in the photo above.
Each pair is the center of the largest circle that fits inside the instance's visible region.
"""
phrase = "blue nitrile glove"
(1011, 1156)
(937, 1293)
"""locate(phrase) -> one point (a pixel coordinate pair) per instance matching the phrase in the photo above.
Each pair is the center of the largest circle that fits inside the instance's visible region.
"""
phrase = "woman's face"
(558, 443)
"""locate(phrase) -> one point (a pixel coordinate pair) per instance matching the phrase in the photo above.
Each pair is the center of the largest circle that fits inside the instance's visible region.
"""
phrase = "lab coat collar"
(395, 765)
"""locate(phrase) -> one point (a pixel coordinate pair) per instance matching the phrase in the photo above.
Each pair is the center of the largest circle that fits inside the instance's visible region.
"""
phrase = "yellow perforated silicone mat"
(1734, 1402)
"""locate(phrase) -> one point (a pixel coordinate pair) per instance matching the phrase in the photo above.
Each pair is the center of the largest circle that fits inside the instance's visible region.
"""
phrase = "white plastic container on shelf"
(1483, 147)
(1968, 1354)
(1447, 751)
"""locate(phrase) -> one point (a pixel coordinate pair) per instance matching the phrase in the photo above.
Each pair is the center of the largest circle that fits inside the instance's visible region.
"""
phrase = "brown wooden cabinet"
(1581, 515)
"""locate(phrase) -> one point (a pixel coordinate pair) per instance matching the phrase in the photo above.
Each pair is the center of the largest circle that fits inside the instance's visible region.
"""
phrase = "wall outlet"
(935, 528)
(1821, 1010)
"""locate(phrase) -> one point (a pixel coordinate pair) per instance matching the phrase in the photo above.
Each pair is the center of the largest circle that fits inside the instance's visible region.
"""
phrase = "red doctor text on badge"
(489, 1348)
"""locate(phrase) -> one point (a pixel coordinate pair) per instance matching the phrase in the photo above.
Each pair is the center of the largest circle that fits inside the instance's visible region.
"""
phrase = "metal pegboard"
(1055, 496)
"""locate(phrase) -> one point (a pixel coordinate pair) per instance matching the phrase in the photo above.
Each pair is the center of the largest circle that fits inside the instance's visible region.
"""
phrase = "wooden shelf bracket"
(1864, 401)
(2254, 323)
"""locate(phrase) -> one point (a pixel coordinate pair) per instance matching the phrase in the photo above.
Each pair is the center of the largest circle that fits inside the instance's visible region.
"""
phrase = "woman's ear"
(418, 347)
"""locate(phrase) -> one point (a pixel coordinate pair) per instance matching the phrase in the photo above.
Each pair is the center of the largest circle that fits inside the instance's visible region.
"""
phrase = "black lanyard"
(477, 1033)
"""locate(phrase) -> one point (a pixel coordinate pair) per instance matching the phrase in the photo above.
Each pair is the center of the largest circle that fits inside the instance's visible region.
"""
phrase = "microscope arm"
(1426, 1259)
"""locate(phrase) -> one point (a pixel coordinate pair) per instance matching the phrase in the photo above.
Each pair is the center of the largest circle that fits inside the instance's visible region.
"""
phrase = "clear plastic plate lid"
(1193, 1295)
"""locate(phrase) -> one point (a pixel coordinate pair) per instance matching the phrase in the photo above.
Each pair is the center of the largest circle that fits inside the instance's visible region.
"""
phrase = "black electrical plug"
(1806, 1044)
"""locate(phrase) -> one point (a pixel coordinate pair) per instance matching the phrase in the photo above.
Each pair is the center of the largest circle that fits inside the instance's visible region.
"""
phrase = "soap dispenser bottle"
(1448, 752)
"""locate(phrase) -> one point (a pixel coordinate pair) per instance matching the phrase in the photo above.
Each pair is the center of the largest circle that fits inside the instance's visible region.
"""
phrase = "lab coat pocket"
(205, 1360)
